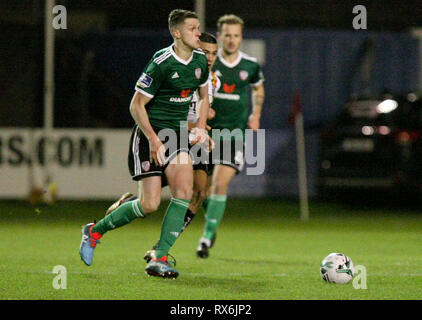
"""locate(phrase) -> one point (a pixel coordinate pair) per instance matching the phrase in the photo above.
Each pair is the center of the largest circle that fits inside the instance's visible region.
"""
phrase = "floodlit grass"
(263, 252)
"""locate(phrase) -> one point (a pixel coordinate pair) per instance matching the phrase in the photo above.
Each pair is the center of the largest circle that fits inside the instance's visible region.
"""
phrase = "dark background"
(333, 14)
(89, 94)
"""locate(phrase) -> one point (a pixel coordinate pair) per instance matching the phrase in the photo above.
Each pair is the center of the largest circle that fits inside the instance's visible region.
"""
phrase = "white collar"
(232, 64)
(185, 62)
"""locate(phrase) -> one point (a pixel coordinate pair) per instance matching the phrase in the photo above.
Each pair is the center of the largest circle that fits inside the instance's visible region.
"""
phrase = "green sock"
(124, 214)
(172, 225)
(205, 204)
(215, 211)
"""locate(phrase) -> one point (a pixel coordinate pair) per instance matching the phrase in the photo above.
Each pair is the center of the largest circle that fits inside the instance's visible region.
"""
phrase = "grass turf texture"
(263, 251)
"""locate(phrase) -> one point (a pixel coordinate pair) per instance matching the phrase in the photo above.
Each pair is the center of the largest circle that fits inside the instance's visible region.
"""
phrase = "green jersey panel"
(231, 102)
(170, 82)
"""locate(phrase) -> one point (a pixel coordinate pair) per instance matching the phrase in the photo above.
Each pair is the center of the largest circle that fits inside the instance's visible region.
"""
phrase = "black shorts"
(201, 159)
(231, 153)
(202, 166)
(138, 159)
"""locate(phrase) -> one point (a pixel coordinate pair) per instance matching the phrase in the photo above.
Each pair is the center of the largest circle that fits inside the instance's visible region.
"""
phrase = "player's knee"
(183, 193)
(150, 205)
(219, 187)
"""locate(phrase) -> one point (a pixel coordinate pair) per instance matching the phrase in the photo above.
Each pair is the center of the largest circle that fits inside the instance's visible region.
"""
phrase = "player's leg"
(179, 174)
(149, 177)
(180, 179)
(147, 203)
(200, 185)
(209, 180)
(216, 205)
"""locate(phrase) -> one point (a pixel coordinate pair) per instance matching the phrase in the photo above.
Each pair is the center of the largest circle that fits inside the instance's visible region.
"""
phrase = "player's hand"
(198, 135)
(254, 122)
(156, 151)
(211, 113)
(201, 136)
(207, 143)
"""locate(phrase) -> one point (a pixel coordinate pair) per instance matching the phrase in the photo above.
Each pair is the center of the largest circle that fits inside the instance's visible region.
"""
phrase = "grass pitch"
(263, 252)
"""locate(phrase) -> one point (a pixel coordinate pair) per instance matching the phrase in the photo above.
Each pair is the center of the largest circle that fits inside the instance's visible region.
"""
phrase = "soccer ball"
(337, 268)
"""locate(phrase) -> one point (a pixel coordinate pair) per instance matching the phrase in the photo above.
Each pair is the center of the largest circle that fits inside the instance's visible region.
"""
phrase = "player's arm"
(258, 97)
(200, 129)
(204, 103)
(139, 114)
(210, 115)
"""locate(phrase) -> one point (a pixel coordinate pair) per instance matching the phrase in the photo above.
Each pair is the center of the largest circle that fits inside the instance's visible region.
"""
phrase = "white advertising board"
(84, 163)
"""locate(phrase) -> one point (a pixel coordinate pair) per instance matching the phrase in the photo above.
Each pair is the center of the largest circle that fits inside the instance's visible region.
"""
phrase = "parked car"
(373, 143)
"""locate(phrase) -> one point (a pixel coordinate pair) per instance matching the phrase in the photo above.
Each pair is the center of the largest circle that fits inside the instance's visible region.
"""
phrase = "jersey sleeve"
(150, 80)
(257, 77)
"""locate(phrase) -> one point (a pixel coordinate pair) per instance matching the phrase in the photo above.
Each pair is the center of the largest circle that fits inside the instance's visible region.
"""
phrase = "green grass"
(263, 251)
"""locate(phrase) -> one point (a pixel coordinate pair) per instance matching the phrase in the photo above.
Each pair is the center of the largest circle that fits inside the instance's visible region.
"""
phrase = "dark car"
(374, 143)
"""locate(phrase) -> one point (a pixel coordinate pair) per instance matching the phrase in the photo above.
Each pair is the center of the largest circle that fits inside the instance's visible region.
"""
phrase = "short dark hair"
(208, 38)
(178, 16)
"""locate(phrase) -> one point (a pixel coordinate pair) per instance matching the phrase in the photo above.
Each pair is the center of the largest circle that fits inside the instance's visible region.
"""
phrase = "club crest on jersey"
(144, 81)
(198, 73)
(146, 166)
(243, 75)
(229, 88)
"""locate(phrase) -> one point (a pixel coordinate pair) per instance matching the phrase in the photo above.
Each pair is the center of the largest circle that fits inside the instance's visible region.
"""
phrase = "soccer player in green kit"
(237, 72)
(161, 102)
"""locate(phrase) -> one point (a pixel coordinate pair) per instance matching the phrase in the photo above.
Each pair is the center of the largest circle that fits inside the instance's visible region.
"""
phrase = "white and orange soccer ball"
(337, 268)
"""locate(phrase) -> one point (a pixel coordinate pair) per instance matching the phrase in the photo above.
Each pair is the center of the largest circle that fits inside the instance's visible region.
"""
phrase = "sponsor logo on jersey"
(144, 81)
(146, 166)
(227, 96)
(184, 96)
(198, 73)
(185, 93)
(177, 99)
(175, 75)
(243, 75)
(229, 88)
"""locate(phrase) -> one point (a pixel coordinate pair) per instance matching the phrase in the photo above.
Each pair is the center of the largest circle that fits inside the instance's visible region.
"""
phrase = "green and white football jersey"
(231, 101)
(171, 82)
